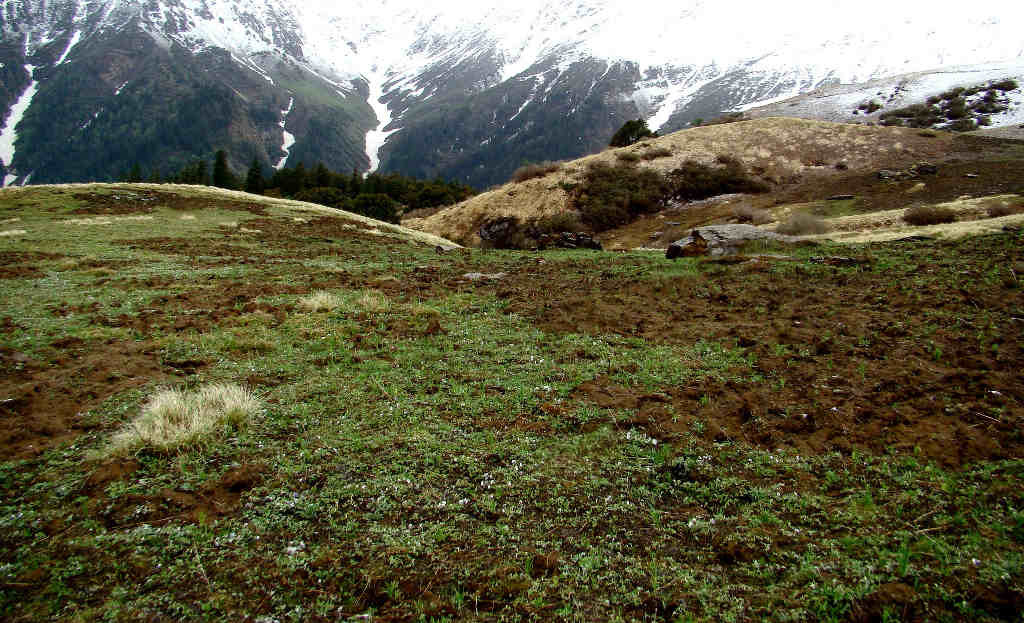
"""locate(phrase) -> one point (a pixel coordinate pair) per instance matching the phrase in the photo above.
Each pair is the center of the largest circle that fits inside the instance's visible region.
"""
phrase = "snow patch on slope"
(9, 135)
(288, 140)
(837, 103)
(376, 138)
(75, 38)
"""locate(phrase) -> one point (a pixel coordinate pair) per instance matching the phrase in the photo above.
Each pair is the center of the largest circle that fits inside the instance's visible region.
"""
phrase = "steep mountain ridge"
(464, 90)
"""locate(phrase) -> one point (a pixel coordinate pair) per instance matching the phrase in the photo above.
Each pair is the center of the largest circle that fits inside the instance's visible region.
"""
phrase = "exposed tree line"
(382, 196)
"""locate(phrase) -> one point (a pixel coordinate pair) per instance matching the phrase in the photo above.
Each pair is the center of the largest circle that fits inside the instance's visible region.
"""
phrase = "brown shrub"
(533, 171)
(996, 208)
(656, 152)
(752, 215)
(628, 156)
(929, 215)
(802, 224)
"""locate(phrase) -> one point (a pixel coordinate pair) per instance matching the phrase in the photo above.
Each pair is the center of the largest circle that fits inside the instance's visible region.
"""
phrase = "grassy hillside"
(804, 163)
(383, 432)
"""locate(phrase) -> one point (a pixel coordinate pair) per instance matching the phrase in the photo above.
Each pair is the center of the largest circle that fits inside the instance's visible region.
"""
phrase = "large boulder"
(715, 240)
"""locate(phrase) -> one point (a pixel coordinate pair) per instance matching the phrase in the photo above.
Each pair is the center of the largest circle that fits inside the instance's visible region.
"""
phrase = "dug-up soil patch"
(216, 499)
(130, 202)
(844, 359)
(19, 264)
(42, 404)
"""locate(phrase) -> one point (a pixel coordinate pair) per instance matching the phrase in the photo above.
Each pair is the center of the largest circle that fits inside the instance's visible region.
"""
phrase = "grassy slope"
(780, 149)
(594, 437)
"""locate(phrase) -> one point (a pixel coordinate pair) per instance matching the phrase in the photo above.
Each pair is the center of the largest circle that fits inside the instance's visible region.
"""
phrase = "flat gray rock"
(716, 240)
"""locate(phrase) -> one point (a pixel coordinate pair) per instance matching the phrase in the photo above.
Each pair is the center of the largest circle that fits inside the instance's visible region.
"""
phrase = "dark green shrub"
(929, 215)
(378, 206)
(506, 232)
(1005, 85)
(631, 132)
(953, 93)
(533, 171)
(963, 125)
(556, 224)
(870, 107)
(610, 196)
(325, 196)
(693, 181)
(955, 108)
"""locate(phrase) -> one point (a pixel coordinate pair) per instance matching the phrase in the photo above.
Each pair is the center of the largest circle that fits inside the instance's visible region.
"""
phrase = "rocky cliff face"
(467, 91)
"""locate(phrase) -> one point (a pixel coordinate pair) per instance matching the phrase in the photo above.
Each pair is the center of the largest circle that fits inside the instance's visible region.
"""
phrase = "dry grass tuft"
(107, 220)
(320, 301)
(374, 302)
(13, 232)
(802, 224)
(533, 171)
(929, 215)
(175, 419)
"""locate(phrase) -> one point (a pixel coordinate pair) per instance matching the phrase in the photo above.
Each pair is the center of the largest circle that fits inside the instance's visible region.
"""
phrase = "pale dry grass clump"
(320, 301)
(803, 224)
(107, 220)
(188, 217)
(374, 302)
(13, 232)
(174, 419)
(370, 301)
(8, 221)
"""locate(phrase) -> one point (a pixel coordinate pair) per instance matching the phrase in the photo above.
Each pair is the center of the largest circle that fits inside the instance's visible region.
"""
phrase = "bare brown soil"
(45, 400)
(844, 357)
(215, 499)
(18, 264)
(124, 202)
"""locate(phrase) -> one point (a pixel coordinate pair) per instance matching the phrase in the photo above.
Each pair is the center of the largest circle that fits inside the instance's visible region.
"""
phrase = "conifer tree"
(254, 178)
(202, 174)
(322, 176)
(222, 177)
(631, 132)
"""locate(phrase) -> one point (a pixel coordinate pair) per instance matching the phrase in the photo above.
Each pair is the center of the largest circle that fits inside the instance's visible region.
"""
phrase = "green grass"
(430, 475)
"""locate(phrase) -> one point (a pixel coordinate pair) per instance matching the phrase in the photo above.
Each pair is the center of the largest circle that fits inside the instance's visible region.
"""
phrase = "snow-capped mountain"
(466, 90)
